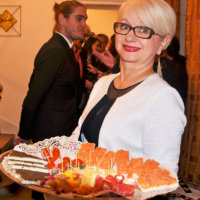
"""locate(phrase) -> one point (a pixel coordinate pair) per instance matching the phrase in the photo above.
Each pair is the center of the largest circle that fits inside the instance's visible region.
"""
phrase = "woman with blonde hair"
(136, 109)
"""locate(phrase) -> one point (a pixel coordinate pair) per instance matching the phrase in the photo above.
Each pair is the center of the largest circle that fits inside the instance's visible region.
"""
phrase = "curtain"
(176, 6)
(190, 151)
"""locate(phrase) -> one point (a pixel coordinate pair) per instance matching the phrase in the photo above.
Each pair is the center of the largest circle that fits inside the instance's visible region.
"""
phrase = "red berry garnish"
(77, 162)
(56, 152)
(66, 160)
(51, 177)
(52, 159)
(50, 165)
(62, 166)
(42, 182)
(46, 152)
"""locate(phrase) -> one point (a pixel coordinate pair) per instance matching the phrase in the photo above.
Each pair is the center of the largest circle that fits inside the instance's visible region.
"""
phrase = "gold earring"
(159, 68)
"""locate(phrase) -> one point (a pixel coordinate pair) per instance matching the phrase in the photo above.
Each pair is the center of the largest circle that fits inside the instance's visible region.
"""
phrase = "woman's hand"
(106, 58)
(100, 74)
(92, 69)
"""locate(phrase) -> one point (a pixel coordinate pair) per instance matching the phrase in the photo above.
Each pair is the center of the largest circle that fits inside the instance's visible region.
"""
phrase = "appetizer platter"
(64, 167)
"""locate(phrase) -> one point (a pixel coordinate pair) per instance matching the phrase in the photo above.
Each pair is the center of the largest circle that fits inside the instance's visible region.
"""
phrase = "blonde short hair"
(156, 14)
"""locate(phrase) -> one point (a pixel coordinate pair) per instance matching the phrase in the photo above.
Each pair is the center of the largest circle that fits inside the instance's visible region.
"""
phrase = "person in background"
(87, 34)
(109, 57)
(136, 109)
(103, 41)
(81, 58)
(91, 45)
(50, 107)
(173, 68)
(111, 47)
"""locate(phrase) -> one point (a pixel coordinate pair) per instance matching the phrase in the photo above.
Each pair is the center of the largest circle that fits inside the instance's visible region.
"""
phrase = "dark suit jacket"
(51, 105)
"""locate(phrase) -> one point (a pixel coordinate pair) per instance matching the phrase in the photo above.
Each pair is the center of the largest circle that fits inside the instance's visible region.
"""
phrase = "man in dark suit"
(51, 105)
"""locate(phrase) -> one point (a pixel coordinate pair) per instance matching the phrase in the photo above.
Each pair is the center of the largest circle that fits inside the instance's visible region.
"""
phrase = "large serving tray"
(104, 194)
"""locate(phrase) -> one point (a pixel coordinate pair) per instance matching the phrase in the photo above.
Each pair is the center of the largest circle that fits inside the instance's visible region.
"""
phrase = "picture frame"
(10, 20)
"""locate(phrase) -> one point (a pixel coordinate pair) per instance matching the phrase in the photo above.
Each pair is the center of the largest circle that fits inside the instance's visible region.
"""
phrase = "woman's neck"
(132, 75)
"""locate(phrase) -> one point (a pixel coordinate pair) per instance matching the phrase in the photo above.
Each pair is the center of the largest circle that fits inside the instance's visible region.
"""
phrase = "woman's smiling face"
(134, 49)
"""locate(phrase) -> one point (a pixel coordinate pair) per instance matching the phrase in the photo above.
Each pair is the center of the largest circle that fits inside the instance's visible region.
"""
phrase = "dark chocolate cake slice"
(30, 177)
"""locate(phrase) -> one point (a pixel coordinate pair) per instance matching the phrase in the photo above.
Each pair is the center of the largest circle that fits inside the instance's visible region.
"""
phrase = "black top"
(174, 72)
(93, 122)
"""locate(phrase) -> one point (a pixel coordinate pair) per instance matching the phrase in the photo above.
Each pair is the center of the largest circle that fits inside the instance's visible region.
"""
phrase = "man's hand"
(88, 84)
(92, 69)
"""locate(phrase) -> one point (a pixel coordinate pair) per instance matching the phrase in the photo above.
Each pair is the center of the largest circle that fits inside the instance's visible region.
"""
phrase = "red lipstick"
(130, 48)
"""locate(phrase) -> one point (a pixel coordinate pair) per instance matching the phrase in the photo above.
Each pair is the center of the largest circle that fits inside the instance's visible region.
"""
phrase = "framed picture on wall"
(10, 20)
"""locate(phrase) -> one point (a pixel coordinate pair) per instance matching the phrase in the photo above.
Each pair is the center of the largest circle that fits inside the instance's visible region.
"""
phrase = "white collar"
(68, 42)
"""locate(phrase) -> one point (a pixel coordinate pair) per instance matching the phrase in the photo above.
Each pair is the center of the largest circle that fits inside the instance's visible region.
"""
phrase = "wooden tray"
(103, 194)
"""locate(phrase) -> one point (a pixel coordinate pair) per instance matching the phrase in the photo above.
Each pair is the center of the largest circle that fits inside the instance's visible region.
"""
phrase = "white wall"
(17, 53)
(106, 24)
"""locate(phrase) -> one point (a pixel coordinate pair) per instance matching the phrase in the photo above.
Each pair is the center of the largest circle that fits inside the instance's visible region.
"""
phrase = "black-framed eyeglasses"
(139, 31)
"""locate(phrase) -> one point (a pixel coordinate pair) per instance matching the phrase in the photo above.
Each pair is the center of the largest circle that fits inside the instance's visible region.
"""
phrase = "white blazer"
(148, 121)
